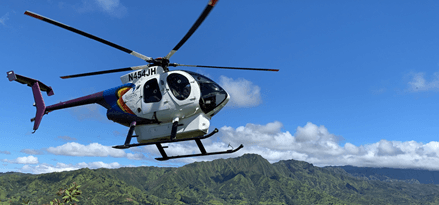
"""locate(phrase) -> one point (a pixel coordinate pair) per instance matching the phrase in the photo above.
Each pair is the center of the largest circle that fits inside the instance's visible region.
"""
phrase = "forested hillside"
(249, 179)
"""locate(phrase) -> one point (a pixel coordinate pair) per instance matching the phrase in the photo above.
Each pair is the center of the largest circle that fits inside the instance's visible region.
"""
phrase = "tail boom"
(89, 99)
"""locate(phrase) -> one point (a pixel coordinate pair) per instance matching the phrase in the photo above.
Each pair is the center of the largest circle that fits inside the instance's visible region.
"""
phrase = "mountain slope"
(249, 179)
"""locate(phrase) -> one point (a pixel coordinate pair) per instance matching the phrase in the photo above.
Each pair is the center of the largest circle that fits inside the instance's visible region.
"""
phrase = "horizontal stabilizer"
(29, 82)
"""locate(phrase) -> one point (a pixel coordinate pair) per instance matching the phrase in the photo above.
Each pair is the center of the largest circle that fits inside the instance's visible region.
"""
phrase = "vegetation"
(249, 179)
(413, 176)
(68, 195)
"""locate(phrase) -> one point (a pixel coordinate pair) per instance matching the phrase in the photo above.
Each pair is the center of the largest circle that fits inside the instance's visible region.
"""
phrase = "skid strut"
(129, 136)
(161, 150)
(174, 130)
(130, 133)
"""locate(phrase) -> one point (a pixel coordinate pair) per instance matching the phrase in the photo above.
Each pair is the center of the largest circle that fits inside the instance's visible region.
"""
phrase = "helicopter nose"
(214, 101)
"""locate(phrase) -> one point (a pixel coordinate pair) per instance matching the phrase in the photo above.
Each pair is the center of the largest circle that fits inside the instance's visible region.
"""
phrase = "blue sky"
(358, 81)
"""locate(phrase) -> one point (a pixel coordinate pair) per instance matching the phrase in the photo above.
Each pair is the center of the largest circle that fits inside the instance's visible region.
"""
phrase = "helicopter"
(158, 104)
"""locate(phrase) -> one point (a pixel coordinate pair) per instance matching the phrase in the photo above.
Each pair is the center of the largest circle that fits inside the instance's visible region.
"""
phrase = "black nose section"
(212, 100)
(212, 95)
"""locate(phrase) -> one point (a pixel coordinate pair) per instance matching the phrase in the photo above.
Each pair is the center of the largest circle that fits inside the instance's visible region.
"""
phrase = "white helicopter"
(160, 105)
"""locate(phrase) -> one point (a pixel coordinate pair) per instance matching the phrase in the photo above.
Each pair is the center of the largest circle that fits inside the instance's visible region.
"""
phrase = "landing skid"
(165, 157)
(172, 140)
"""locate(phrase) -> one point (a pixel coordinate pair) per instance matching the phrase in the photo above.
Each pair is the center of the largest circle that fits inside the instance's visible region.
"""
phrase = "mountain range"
(249, 179)
(392, 174)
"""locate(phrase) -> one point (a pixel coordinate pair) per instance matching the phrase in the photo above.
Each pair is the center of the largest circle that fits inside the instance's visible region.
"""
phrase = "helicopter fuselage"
(161, 98)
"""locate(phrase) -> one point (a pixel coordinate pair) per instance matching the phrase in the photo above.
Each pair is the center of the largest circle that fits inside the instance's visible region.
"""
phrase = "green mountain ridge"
(249, 179)
(415, 176)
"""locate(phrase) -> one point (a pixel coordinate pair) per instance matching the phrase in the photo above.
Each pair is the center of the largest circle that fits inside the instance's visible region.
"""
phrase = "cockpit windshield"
(212, 94)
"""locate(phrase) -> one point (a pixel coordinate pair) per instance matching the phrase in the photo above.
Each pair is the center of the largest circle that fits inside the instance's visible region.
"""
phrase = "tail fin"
(36, 87)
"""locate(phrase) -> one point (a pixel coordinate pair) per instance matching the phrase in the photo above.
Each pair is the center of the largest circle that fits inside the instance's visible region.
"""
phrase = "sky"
(358, 81)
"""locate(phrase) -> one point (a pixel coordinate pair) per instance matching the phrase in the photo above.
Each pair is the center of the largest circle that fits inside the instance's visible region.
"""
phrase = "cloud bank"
(60, 167)
(313, 144)
(92, 150)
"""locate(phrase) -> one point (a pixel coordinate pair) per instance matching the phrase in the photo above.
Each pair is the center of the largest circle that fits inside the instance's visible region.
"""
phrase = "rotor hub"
(162, 62)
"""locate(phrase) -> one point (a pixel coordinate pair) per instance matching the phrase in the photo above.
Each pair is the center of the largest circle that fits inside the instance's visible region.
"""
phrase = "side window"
(179, 85)
(151, 91)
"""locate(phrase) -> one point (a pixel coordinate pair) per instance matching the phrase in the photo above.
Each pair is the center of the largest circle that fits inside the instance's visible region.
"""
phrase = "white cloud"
(23, 160)
(5, 152)
(311, 139)
(96, 165)
(112, 7)
(60, 167)
(311, 143)
(92, 150)
(137, 156)
(242, 92)
(4, 18)
(108, 5)
(419, 83)
(32, 151)
(67, 138)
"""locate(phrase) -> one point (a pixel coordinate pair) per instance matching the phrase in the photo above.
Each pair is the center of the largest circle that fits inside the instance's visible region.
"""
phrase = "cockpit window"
(212, 95)
(151, 91)
(179, 85)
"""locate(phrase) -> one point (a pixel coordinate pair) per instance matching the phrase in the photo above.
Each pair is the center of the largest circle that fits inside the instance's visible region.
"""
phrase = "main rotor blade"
(194, 27)
(56, 23)
(105, 71)
(223, 67)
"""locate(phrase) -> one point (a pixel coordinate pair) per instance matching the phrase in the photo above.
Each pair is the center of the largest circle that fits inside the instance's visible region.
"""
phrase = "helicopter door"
(152, 98)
